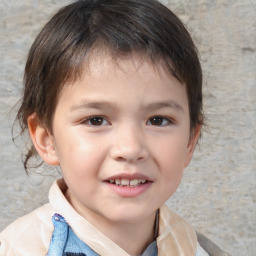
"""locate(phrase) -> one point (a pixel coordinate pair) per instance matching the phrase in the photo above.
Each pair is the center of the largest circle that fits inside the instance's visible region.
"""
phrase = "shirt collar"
(175, 235)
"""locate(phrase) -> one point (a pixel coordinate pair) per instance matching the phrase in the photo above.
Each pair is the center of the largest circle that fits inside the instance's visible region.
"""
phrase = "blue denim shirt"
(65, 242)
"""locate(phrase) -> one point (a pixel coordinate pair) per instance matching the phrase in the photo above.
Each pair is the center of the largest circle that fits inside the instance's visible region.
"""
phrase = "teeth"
(134, 182)
(126, 182)
(118, 181)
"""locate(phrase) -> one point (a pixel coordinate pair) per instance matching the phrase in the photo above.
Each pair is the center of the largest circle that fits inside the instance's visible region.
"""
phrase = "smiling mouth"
(127, 183)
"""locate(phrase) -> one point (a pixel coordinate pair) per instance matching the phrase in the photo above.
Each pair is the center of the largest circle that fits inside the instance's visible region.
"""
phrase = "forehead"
(105, 78)
(99, 64)
(100, 61)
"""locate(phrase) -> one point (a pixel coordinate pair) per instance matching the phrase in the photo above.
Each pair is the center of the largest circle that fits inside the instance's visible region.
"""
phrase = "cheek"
(171, 159)
(81, 155)
(172, 154)
(171, 172)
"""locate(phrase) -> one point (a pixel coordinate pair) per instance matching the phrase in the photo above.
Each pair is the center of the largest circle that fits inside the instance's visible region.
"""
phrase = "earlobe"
(192, 144)
(43, 140)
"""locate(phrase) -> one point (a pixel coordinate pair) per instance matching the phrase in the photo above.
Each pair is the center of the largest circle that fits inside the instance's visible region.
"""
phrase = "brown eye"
(158, 121)
(96, 121)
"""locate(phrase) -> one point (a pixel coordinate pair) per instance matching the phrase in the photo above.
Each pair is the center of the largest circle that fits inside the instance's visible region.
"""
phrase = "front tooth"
(125, 182)
(134, 182)
(118, 181)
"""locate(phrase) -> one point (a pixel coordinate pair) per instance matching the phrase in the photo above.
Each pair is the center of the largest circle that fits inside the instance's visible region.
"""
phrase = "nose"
(129, 145)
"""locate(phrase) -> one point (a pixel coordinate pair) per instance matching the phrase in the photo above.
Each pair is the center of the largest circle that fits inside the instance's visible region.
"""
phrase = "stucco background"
(217, 194)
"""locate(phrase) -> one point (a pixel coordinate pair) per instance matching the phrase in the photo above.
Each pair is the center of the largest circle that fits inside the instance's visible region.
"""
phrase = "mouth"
(124, 182)
(129, 185)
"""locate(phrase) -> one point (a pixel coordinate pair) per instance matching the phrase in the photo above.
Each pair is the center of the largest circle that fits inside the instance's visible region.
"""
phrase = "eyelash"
(160, 121)
(91, 119)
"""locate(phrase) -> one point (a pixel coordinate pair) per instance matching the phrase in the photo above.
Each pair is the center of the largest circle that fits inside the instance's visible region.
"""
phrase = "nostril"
(129, 149)
(130, 159)
(119, 158)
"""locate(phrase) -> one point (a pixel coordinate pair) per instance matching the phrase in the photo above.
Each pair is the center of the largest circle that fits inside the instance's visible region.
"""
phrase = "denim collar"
(65, 242)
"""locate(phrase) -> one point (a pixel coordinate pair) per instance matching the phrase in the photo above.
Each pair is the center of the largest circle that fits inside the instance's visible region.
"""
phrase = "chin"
(132, 214)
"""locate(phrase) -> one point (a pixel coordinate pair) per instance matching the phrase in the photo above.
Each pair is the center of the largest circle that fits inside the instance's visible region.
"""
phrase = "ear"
(192, 144)
(43, 140)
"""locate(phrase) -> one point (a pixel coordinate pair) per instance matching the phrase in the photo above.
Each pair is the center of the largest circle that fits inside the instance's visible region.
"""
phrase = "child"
(112, 95)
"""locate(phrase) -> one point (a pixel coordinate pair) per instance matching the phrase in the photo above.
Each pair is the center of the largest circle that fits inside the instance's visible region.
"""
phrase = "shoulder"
(28, 235)
(206, 245)
(200, 251)
(176, 236)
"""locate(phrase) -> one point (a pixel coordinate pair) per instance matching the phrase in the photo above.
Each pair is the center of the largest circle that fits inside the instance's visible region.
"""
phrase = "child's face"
(124, 124)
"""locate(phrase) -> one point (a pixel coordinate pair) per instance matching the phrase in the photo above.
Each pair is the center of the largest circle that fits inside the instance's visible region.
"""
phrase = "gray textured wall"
(217, 194)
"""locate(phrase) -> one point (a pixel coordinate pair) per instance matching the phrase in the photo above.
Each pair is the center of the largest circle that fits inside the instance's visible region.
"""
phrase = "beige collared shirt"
(31, 234)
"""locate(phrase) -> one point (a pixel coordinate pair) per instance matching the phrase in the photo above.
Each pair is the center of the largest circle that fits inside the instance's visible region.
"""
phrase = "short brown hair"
(123, 27)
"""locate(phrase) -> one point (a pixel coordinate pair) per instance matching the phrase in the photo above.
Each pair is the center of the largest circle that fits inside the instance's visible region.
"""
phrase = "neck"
(134, 238)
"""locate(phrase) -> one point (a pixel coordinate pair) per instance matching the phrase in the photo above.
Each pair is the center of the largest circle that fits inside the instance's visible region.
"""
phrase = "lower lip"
(130, 191)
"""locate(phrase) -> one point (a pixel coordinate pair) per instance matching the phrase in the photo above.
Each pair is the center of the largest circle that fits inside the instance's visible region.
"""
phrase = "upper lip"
(129, 176)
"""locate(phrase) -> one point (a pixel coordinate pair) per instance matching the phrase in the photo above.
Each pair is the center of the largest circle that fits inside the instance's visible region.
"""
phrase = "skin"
(141, 126)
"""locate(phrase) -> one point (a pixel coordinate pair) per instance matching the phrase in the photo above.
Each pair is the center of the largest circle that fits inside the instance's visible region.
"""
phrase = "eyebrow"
(94, 105)
(164, 104)
(101, 105)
